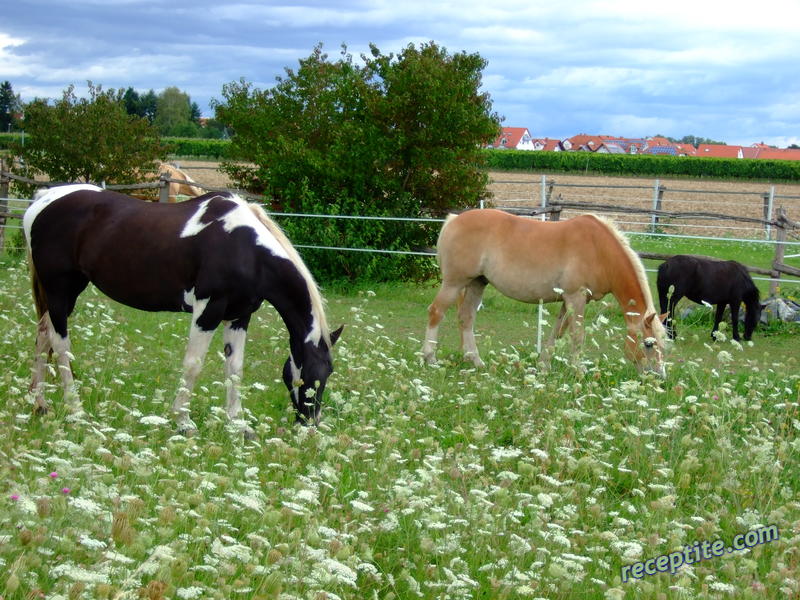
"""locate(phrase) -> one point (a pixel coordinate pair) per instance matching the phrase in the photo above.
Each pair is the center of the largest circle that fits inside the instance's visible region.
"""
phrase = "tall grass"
(421, 482)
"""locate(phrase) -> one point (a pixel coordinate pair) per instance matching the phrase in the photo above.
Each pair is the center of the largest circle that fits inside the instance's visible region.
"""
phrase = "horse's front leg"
(234, 338)
(735, 318)
(200, 335)
(576, 306)
(562, 322)
(717, 319)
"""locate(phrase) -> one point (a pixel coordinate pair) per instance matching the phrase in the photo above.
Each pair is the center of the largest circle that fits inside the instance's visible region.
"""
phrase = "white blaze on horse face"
(43, 199)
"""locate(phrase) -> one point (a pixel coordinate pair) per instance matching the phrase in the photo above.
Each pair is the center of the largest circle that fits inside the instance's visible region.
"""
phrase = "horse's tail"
(752, 302)
(39, 296)
(447, 221)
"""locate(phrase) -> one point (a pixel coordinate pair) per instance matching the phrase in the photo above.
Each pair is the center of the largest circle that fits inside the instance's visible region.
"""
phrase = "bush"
(198, 147)
(643, 165)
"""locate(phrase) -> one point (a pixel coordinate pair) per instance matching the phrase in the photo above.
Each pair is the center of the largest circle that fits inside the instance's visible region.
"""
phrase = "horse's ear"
(335, 334)
(648, 320)
(663, 317)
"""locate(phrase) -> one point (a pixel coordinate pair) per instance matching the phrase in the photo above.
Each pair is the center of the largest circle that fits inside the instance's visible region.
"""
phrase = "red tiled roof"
(590, 141)
(779, 154)
(549, 144)
(718, 150)
(510, 137)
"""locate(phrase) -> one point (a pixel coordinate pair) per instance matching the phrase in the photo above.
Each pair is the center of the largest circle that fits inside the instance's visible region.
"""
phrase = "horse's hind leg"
(466, 316)
(447, 295)
(43, 349)
(60, 305)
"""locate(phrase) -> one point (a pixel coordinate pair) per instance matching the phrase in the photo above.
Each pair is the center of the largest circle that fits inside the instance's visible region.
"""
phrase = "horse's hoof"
(249, 434)
(187, 431)
(41, 411)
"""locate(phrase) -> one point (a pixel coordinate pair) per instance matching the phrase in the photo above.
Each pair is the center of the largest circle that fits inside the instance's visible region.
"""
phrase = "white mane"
(317, 301)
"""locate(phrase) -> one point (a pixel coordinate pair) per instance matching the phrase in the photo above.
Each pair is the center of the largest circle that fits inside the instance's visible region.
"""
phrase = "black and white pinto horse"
(215, 256)
(703, 279)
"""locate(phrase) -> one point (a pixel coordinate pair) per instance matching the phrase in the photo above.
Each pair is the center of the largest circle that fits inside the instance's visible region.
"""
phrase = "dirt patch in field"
(732, 198)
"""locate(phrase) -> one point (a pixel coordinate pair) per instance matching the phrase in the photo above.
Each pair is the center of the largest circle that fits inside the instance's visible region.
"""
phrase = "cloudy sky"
(727, 70)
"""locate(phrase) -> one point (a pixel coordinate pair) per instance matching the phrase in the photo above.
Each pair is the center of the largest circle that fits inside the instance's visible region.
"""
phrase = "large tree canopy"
(394, 135)
(10, 106)
(90, 139)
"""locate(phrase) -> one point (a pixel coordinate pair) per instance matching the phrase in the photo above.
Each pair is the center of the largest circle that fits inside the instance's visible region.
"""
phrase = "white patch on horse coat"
(193, 225)
(239, 216)
(44, 198)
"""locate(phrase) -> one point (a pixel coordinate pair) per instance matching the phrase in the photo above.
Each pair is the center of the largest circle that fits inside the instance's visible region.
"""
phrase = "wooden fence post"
(658, 196)
(4, 181)
(769, 199)
(163, 187)
(780, 238)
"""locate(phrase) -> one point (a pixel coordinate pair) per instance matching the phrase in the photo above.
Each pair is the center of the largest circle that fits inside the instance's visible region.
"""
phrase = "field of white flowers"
(421, 482)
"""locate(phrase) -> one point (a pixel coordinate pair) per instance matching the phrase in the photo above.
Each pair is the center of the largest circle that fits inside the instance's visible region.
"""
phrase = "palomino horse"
(706, 279)
(215, 256)
(577, 260)
(179, 189)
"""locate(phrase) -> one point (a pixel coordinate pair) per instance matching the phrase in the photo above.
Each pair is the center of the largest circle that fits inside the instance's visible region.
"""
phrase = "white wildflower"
(88, 506)
(499, 454)
(189, 593)
(235, 551)
(724, 356)
(153, 420)
(359, 506)
(76, 573)
(85, 540)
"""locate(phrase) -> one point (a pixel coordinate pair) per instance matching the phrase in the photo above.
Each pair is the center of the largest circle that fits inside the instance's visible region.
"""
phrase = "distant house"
(513, 138)
(548, 145)
(685, 149)
(662, 150)
(584, 142)
(778, 153)
(610, 148)
(720, 151)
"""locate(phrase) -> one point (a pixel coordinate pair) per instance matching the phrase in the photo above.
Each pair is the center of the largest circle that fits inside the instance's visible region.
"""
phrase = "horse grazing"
(577, 260)
(186, 188)
(215, 256)
(705, 279)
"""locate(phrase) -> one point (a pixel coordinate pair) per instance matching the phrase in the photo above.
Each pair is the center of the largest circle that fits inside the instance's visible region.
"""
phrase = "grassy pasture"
(421, 482)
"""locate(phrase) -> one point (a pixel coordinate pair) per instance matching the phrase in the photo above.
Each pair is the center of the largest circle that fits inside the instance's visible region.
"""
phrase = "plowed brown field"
(741, 199)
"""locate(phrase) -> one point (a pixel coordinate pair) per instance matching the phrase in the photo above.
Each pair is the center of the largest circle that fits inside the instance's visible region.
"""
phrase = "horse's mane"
(317, 301)
(636, 263)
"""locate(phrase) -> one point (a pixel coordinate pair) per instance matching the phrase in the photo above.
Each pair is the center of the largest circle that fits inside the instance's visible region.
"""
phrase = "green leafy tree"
(394, 136)
(90, 139)
(175, 114)
(10, 106)
(149, 105)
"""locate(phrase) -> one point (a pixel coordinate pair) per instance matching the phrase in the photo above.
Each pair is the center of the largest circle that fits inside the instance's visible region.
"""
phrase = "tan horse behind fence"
(183, 186)
(577, 260)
